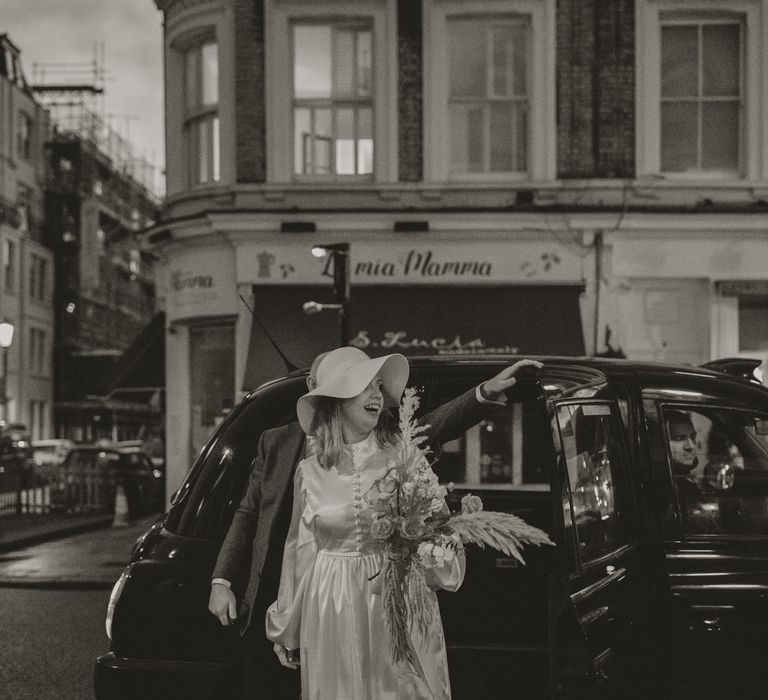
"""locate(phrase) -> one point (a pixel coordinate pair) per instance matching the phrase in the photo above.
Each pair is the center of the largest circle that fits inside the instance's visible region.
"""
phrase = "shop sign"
(200, 284)
(734, 288)
(401, 341)
(387, 262)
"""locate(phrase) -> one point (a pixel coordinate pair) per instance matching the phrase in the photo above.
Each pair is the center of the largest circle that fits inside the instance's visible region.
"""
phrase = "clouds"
(54, 31)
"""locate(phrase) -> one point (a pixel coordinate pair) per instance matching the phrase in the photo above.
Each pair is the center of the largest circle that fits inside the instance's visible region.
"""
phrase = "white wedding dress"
(328, 605)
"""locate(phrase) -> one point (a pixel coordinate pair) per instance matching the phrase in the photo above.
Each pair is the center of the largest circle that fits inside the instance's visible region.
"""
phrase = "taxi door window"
(599, 489)
(718, 459)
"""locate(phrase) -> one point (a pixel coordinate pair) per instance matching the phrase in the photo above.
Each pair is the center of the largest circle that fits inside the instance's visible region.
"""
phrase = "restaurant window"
(332, 98)
(24, 136)
(718, 461)
(212, 362)
(9, 266)
(702, 106)
(488, 101)
(596, 469)
(201, 117)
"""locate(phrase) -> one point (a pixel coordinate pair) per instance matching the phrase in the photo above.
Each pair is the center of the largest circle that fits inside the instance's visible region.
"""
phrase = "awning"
(416, 320)
(140, 371)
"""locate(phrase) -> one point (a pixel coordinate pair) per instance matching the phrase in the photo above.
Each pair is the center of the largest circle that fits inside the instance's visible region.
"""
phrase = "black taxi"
(651, 480)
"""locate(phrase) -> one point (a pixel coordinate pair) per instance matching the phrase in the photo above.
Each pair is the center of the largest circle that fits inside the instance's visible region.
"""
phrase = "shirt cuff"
(501, 401)
(222, 581)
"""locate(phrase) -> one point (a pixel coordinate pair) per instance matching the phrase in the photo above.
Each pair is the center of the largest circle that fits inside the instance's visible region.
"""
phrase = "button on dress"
(329, 604)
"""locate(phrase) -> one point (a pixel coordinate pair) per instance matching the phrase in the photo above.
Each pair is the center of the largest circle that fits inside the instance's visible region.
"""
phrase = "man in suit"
(249, 562)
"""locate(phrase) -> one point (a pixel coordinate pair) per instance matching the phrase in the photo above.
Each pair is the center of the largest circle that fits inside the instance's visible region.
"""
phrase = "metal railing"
(26, 489)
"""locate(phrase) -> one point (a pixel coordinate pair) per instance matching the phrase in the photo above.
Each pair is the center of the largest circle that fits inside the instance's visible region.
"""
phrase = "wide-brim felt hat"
(345, 372)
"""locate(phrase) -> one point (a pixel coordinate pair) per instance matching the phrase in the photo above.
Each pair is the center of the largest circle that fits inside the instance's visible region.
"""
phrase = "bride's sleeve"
(450, 575)
(283, 620)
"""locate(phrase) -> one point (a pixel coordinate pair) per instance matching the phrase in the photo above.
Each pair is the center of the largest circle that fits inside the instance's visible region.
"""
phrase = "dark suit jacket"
(252, 536)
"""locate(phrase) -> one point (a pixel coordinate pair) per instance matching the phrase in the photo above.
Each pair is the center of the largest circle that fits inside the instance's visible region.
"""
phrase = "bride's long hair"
(328, 438)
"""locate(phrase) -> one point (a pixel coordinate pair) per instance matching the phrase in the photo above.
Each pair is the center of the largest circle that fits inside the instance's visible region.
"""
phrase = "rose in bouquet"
(416, 531)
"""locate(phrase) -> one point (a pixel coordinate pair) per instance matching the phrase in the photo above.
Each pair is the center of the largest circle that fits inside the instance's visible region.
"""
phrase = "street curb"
(63, 531)
(55, 584)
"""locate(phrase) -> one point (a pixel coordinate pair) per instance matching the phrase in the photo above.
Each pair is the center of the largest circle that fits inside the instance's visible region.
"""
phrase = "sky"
(49, 31)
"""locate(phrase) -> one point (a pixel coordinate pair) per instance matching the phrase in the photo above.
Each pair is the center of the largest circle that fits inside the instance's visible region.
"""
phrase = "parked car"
(89, 475)
(49, 454)
(650, 589)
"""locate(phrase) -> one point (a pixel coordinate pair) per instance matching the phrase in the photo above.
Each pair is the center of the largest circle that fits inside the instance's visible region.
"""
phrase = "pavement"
(82, 552)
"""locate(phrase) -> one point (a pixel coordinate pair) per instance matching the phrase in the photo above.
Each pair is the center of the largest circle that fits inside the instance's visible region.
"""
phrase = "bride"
(327, 610)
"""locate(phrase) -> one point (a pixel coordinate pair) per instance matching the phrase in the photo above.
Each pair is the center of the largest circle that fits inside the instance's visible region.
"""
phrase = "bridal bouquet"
(411, 522)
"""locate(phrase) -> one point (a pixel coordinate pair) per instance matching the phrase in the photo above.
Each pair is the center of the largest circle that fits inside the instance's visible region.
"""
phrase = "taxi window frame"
(635, 526)
(702, 404)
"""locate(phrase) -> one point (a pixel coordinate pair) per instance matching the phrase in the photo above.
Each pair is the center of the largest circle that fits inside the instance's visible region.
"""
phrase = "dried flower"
(471, 504)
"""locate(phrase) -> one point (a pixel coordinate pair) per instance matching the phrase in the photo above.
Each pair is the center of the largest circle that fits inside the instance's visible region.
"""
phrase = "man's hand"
(223, 604)
(282, 655)
(496, 386)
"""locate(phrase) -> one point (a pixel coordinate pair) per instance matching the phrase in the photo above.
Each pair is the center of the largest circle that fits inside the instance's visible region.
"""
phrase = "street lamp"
(339, 253)
(6, 338)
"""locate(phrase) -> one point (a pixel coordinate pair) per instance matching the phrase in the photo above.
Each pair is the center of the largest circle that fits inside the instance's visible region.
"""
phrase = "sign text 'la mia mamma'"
(415, 263)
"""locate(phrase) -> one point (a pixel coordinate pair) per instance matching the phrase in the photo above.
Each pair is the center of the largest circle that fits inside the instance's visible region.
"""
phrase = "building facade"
(26, 268)
(532, 176)
(105, 289)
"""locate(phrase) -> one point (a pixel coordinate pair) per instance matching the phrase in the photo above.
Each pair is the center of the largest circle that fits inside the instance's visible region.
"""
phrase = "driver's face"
(682, 443)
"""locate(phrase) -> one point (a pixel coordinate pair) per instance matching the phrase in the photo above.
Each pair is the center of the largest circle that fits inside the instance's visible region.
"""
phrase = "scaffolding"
(73, 93)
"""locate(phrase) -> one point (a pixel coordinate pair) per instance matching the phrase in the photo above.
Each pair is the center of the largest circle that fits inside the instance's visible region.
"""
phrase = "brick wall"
(410, 92)
(595, 88)
(249, 90)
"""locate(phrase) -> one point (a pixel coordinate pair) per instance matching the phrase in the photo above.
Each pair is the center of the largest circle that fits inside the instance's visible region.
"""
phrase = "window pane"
(209, 59)
(302, 141)
(364, 63)
(216, 150)
(720, 135)
(467, 52)
(502, 48)
(343, 63)
(679, 61)
(365, 142)
(521, 124)
(520, 46)
(204, 145)
(191, 73)
(502, 137)
(722, 64)
(679, 136)
(312, 61)
(467, 126)
(323, 141)
(345, 142)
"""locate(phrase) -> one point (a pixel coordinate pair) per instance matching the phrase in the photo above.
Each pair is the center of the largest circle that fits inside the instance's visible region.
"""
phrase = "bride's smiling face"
(361, 414)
